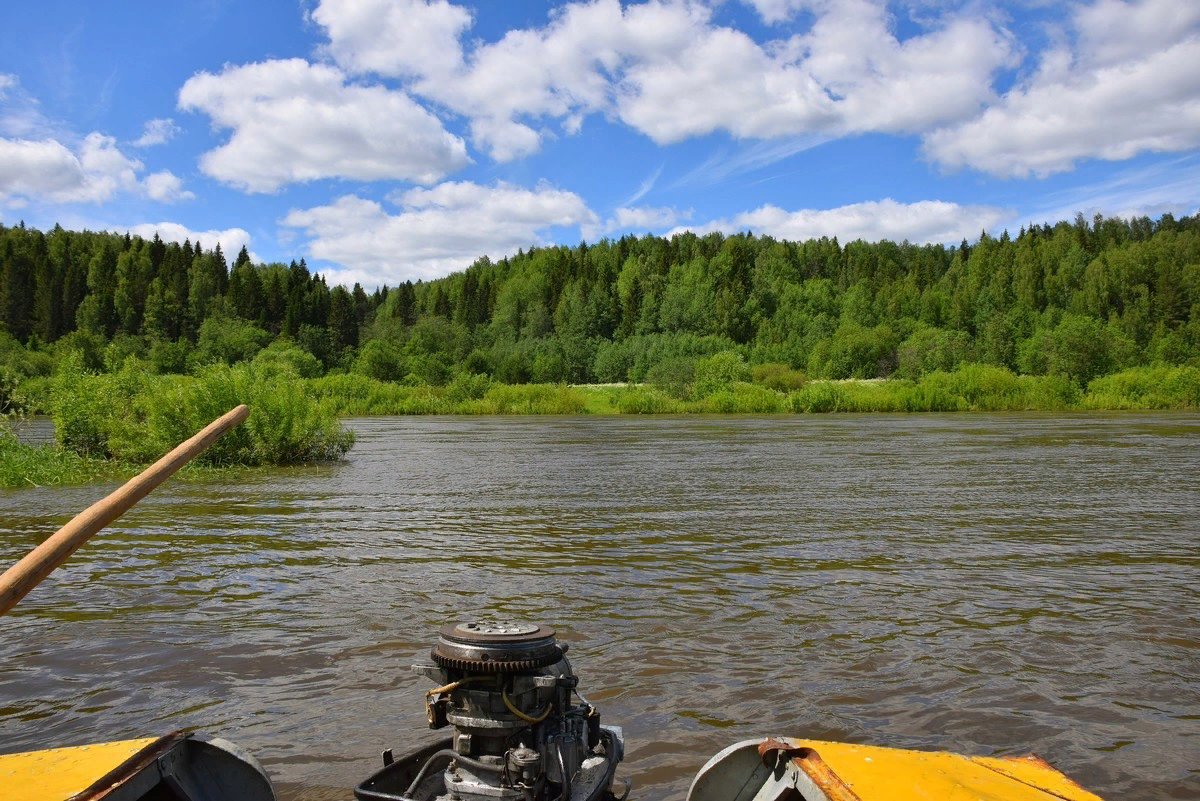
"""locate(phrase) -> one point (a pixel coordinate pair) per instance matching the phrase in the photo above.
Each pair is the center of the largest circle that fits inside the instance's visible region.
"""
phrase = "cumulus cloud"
(157, 132)
(437, 230)
(1128, 85)
(293, 121)
(165, 187)
(667, 70)
(394, 37)
(41, 163)
(923, 221)
(637, 220)
(48, 170)
(231, 240)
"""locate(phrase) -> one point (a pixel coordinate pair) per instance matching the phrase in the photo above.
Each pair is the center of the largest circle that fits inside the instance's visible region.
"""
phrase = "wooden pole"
(22, 577)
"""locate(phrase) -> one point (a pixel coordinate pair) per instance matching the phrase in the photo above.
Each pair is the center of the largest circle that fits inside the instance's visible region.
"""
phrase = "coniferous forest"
(1077, 299)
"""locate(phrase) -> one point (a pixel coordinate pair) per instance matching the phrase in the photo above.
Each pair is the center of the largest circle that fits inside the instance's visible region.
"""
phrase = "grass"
(23, 465)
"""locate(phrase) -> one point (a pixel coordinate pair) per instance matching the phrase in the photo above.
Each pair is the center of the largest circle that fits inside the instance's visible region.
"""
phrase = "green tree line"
(1077, 299)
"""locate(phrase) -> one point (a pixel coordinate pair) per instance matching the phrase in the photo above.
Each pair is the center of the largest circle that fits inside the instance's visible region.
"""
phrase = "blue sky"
(386, 140)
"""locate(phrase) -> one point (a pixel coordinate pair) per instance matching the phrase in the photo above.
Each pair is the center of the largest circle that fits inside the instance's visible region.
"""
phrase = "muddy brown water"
(991, 584)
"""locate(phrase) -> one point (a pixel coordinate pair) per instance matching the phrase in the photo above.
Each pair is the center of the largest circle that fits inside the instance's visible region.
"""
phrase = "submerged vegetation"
(132, 345)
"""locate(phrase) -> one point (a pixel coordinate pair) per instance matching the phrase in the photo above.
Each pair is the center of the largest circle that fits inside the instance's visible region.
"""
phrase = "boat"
(521, 730)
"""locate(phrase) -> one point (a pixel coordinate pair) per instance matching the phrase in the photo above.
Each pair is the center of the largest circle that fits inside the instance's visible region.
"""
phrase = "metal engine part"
(521, 731)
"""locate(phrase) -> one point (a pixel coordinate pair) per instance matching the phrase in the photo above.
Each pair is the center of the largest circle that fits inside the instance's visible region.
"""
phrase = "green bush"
(1159, 387)
(779, 377)
(168, 357)
(743, 399)
(673, 376)
(818, 397)
(136, 417)
(528, 399)
(646, 400)
(381, 361)
(719, 372)
(467, 387)
(287, 358)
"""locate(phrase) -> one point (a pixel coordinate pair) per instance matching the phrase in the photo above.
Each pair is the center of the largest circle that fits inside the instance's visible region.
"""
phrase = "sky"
(393, 140)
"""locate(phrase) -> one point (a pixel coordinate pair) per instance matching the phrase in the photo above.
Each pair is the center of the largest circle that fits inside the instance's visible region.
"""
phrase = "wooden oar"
(22, 577)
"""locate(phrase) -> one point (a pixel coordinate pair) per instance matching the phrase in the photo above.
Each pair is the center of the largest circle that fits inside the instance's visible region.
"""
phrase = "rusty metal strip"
(130, 767)
(809, 761)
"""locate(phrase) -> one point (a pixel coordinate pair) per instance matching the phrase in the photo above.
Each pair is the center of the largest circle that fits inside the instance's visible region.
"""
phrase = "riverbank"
(972, 388)
(106, 425)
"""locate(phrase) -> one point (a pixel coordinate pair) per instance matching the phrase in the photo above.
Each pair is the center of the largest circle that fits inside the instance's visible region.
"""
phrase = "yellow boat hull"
(177, 766)
(781, 767)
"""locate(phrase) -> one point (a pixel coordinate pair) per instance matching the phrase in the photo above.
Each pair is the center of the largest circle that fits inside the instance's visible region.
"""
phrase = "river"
(992, 584)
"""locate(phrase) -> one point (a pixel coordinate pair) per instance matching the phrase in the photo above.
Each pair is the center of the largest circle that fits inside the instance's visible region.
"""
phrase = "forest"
(1077, 299)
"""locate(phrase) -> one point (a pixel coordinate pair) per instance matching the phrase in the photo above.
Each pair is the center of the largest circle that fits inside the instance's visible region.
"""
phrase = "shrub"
(380, 360)
(647, 400)
(673, 376)
(287, 357)
(744, 399)
(779, 377)
(819, 396)
(719, 372)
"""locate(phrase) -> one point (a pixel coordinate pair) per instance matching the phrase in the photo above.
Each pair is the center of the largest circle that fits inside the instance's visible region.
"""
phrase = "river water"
(991, 584)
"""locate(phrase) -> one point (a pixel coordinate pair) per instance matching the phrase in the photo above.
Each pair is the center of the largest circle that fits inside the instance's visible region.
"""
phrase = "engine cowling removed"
(521, 731)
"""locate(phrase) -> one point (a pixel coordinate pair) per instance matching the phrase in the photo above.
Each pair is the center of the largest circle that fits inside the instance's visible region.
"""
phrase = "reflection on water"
(989, 584)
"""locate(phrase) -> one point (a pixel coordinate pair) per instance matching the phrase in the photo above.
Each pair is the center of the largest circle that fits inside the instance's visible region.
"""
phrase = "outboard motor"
(521, 729)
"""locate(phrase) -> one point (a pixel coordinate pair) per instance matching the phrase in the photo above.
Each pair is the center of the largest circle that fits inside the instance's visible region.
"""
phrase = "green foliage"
(1066, 303)
(674, 377)
(168, 357)
(381, 361)
(24, 465)
(647, 400)
(720, 372)
(528, 399)
(855, 352)
(928, 349)
(1146, 388)
(229, 340)
(134, 416)
(779, 377)
(284, 427)
(467, 387)
(283, 356)
(1082, 348)
(819, 397)
(742, 398)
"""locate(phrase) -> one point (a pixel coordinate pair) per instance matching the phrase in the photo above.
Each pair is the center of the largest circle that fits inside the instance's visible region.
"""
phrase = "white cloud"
(637, 220)
(665, 69)
(1130, 85)
(923, 221)
(157, 132)
(231, 240)
(39, 162)
(293, 121)
(394, 37)
(437, 231)
(165, 187)
(48, 170)
(774, 11)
